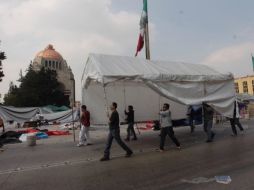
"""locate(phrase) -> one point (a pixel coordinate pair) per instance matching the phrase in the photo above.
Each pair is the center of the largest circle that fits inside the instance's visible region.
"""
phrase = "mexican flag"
(142, 24)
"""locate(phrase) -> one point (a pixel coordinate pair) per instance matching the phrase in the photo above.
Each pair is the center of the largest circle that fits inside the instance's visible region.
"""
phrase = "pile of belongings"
(21, 136)
(41, 134)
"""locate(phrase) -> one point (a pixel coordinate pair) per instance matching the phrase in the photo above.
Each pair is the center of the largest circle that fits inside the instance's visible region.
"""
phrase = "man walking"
(114, 133)
(84, 136)
(208, 122)
(191, 114)
(130, 121)
(235, 121)
(166, 127)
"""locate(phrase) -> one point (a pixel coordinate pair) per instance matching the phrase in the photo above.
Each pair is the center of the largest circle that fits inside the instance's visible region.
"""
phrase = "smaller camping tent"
(147, 84)
(23, 114)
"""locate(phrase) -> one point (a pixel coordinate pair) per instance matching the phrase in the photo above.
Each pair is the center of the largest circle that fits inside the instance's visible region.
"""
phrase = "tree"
(2, 57)
(37, 88)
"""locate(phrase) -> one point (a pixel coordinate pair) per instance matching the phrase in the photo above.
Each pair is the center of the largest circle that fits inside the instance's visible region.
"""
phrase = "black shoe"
(127, 139)
(128, 154)
(134, 139)
(208, 141)
(104, 159)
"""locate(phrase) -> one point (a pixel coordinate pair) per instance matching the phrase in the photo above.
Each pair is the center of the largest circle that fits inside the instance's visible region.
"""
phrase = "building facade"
(49, 58)
(245, 85)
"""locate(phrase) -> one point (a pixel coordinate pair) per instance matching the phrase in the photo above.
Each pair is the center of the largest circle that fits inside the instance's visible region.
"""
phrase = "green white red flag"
(142, 24)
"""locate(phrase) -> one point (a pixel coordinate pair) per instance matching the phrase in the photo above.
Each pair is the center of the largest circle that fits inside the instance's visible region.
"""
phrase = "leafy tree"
(2, 57)
(37, 88)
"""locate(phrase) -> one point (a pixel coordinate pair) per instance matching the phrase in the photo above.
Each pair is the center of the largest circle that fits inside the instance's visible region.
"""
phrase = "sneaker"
(104, 159)
(79, 145)
(234, 135)
(178, 147)
(128, 154)
(88, 144)
(208, 141)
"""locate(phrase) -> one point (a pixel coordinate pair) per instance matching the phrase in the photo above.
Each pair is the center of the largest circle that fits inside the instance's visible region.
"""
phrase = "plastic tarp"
(22, 115)
(147, 84)
(245, 97)
(56, 108)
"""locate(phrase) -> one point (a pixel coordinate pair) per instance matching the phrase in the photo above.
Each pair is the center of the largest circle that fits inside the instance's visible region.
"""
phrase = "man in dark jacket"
(208, 122)
(235, 121)
(130, 121)
(114, 133)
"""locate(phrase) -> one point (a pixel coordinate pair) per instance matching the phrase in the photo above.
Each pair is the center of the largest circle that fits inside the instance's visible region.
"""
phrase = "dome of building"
(50, 53)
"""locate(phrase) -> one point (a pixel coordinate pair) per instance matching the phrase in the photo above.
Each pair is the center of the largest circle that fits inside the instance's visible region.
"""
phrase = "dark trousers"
(130, 130)
(115, 134)
(170, 132)
(191, 123)
(208, 124)
(234, 122)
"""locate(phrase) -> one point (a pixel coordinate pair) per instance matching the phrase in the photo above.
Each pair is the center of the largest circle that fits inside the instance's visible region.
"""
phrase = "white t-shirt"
(166, 120)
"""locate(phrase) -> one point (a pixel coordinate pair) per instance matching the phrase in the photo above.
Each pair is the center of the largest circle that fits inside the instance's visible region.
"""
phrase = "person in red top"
(84, 137)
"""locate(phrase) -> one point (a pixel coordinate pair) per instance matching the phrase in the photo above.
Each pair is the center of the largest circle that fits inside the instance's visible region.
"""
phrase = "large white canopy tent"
(147, 84)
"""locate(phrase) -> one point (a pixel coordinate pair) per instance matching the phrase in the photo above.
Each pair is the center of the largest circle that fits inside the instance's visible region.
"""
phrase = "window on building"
(245, 87)
(49, 64)
(53, 65)
(56, 65)
(236, 87)
(46, 63)
(59, 66)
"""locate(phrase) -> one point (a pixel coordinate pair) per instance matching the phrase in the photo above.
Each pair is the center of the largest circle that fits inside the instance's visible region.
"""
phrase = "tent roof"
(108, 68)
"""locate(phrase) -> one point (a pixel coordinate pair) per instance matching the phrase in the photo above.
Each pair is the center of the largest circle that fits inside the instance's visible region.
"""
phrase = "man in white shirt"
(166, 127)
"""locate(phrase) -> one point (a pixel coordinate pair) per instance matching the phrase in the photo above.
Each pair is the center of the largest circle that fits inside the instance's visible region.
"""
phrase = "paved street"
(58, 164)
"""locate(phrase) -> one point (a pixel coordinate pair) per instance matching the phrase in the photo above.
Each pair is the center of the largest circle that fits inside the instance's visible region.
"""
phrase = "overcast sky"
(219, 33)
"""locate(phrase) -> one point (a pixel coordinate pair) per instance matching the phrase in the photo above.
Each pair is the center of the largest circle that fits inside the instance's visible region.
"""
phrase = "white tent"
(147, 84)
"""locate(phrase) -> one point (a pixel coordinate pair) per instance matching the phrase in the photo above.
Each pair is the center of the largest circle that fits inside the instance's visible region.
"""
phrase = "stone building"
(49, 58)
(245, 85)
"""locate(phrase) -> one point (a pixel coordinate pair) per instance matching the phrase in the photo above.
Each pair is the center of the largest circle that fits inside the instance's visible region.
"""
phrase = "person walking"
(208, 122)
(130, 121)
(191, 115)
(235, 121)
(114, 133)
(84, 136)
(166, 127)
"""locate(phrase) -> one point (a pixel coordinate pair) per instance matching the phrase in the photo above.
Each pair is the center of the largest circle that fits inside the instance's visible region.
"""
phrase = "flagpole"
(147, 42)
(147, 45)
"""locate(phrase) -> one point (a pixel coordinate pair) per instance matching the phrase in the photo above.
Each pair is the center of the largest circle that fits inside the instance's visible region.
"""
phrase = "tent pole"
(159, 106)
(105, 99)
(124, 95)
(73, 130)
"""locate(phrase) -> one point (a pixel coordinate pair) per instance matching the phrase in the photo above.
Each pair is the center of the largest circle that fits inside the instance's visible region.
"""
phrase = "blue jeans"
(130, 130)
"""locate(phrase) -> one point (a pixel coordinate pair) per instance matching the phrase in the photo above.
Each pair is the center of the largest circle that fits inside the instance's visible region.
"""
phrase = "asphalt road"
(64, 166)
